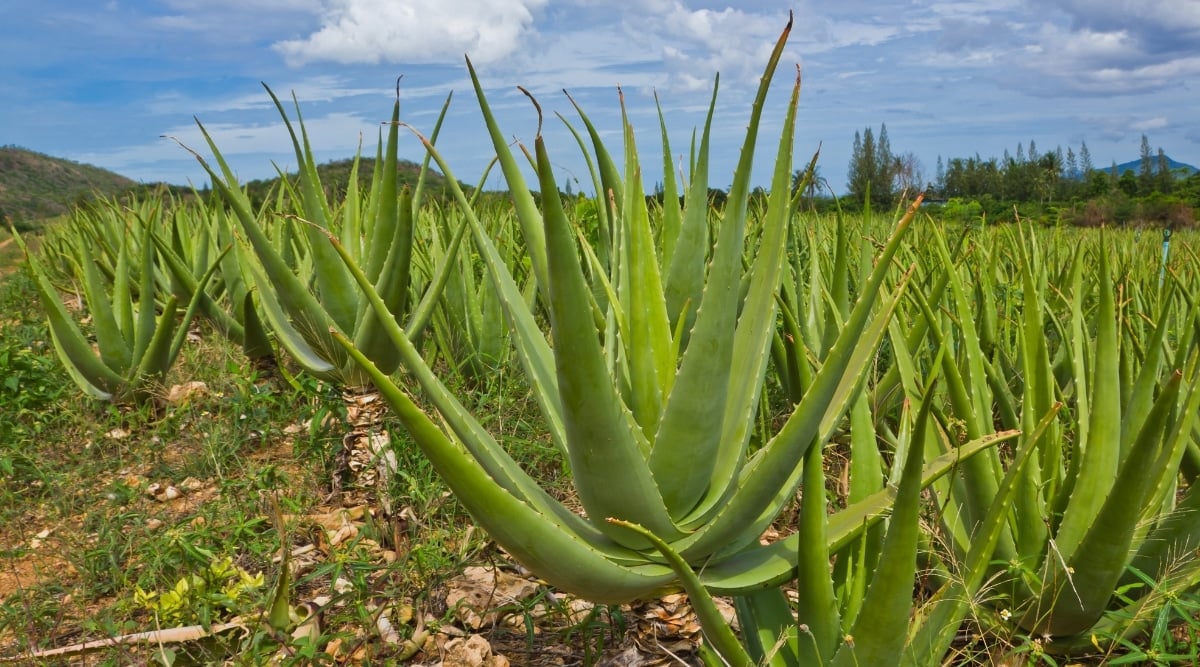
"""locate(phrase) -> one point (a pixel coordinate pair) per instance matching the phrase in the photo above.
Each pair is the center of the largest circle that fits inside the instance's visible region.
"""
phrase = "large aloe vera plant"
(657, 425)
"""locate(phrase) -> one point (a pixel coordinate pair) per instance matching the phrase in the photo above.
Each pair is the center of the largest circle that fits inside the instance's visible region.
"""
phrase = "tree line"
(1053, 186)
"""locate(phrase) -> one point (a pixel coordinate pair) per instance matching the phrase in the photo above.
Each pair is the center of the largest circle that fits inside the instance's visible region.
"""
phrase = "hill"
(1181, 168)
(34, 186)
(335, 177)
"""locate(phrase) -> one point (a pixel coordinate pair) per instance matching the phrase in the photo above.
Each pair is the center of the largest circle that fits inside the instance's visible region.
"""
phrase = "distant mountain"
(34, 186)
(1135, 166)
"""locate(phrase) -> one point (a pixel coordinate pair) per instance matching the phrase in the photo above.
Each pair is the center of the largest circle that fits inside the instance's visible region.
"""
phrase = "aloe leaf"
(1078, 587)
(770, 631)
(648, 349)
(716, 630)
(1098, 454)
(540, 541)
(604, 441)
(772, 469)
(338, 296)
(526, 207)
(758, 566)
(533, 350)
(692, 430)
(816, 605)
(186, 281)
(87, 370)
(686, 257)
(879, 631)
(939, 620)
(115, 349)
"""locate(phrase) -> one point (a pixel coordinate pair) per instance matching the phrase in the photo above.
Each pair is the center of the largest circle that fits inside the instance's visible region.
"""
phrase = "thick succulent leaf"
(1100, 453)
(939, 618)
(604, 442)
(526, 207)
(756, 566)
(87, 370)
(1077, 589)
(880, 629)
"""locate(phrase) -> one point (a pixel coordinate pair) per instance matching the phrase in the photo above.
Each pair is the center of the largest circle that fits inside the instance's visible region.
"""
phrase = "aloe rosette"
(657, 432)
(135, 343)
(307, 294)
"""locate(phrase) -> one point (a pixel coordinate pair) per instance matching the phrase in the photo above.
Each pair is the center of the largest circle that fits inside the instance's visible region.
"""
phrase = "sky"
(122, 83)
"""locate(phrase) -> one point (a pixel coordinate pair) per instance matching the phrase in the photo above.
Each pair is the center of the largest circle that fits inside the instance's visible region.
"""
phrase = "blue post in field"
(1162, 271)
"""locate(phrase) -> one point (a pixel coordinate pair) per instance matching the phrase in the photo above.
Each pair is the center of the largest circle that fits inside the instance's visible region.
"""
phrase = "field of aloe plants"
(866, 440)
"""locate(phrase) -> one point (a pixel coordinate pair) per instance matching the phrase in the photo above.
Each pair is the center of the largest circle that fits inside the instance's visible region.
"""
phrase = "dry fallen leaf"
(473, 651)
(39, 538)
(475, 595)
(181, 393)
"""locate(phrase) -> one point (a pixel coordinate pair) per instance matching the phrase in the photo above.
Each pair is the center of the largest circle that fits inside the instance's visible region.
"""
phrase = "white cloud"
(1157, 123)
(415, 31)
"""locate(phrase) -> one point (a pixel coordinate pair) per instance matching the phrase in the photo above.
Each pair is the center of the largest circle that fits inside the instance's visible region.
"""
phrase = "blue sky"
(101, 82)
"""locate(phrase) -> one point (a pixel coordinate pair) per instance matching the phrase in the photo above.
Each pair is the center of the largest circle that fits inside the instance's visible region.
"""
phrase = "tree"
(940, 177)
(1145, 177)
(1162, 177)
(910, 174)
(862, 165)
(1085, 158)
(872, 168)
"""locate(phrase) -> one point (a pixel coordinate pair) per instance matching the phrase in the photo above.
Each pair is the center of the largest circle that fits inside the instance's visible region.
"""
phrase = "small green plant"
(215, 594)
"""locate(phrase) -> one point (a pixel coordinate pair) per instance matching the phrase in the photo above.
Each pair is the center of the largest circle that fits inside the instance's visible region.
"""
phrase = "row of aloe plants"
(698, 369)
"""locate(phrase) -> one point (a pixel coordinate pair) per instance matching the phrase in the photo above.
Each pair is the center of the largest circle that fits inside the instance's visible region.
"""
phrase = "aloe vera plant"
(1098, 495)
(657, 430)
(135, 344)
(307, 294)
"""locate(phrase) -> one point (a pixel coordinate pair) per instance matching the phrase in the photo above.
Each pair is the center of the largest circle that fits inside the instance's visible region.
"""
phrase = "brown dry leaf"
(181, 393)
(38, 539)
(474, 651)
(475, 595)
(628, 657)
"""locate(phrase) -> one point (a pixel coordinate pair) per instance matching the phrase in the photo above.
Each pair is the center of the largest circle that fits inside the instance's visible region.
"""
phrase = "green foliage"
(215, 594)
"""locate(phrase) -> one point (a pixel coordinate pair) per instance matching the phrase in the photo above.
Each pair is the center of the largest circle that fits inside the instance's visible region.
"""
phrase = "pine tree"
(1163, 179)
(1145, 178)
(883, 185)
(1072, 164)
(1085, 158)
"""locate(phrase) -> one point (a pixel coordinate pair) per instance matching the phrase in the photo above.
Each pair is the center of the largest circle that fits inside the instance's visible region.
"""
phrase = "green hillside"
(34, 186)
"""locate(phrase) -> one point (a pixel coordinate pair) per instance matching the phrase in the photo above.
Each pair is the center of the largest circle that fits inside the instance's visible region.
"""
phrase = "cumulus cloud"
(1096, 62)
(415, 31)
(1156, 24)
